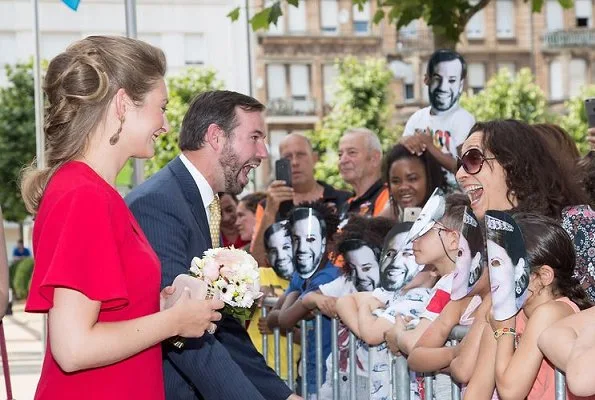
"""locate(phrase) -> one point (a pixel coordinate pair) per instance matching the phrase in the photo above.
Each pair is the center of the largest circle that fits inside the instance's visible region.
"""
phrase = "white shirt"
(206, 192)
(448, 129)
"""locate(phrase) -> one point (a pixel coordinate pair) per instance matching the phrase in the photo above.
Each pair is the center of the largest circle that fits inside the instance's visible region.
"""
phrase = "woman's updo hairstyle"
(80, 84)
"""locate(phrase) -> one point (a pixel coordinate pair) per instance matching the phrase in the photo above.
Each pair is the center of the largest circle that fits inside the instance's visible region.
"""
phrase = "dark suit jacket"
(226, 365)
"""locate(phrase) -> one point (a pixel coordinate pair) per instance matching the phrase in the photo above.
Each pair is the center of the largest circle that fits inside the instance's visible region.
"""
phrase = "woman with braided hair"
(96, 275)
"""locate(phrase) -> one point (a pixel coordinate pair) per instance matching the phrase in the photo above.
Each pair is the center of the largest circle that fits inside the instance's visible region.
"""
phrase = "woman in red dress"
(95, 274)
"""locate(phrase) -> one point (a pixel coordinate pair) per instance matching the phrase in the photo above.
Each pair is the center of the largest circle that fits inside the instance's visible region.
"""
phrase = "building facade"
(190, 32)
(294, 61)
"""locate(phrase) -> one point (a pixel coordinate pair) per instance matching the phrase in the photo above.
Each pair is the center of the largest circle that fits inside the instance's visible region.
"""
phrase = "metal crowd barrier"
(398, 369)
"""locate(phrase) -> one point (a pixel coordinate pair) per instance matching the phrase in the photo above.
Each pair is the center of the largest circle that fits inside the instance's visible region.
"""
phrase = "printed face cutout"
(470, 259)
(277, 243)
(308, 237)
(445, 84)
(432, 211)
(507, 264)
(397, 263)
(362, 259)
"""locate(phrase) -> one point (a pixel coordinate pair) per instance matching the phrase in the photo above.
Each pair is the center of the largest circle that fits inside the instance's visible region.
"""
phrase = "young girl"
(520, 369)
(411, 180)
(470, 292)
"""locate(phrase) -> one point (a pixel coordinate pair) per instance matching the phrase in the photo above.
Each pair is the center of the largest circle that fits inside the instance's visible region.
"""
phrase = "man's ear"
(376, 157)
(315, 156)
(462, 86)
(214, 136)
(426, 80)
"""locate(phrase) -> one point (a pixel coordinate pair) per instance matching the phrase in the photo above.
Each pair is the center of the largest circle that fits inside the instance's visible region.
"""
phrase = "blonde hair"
(80, 84)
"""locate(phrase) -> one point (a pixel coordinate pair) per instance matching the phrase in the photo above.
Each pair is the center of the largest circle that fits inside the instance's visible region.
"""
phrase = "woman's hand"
(165, 293)
(194, 317)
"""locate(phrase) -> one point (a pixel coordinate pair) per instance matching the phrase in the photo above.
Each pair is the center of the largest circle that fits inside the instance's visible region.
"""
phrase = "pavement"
(23, 332)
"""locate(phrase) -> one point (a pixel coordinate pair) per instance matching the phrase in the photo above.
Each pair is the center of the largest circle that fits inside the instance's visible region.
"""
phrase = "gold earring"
(116, 136)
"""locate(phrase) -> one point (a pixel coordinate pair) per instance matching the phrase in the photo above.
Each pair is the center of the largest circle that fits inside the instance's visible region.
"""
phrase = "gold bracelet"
(498, 333)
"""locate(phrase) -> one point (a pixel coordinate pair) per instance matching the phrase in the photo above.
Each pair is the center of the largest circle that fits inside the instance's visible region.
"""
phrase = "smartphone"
(590, 110)
(410, 214)
(283, 170)
(283, 173)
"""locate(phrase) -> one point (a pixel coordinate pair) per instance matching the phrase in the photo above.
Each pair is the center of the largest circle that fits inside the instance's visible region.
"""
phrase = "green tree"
(575, 121)
(506, 96)
(17, 137)
(446, 18)
(361, 100)
(182, 89)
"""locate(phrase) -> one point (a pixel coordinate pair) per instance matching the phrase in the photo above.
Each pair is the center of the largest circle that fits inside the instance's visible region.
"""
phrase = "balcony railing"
(416, 40)
(580, 37)
(292, 107)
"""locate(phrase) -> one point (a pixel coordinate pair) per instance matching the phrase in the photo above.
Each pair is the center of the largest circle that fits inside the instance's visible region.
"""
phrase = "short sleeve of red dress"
(76, 247)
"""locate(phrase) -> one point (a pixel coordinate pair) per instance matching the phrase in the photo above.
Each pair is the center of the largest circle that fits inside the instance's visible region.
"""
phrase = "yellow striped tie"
(215, 220)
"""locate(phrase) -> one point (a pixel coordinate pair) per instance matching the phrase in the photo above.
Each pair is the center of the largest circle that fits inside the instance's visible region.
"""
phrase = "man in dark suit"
(222, 139)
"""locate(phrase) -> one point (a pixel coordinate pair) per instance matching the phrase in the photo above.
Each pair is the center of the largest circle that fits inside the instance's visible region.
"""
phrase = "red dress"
(86, 239)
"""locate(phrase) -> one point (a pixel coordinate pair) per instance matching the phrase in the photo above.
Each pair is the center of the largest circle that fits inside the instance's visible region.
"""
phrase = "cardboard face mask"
(432, 211)
(445, 83)
(471, 257)
(308, 237)
(277, 243)
(507, 264)
(362, 259)
(397, 263)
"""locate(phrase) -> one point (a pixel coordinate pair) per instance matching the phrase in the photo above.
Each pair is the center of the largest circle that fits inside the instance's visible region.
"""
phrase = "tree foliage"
(575, 121)
(17, 137)
(505, 96)
(361, 100)
(182, 89)
(446, 18)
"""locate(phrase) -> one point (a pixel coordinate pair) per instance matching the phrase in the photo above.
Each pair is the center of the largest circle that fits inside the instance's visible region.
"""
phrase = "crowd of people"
(427, 238)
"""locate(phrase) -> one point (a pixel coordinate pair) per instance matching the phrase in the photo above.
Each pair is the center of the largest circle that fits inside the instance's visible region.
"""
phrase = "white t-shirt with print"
(449, 130)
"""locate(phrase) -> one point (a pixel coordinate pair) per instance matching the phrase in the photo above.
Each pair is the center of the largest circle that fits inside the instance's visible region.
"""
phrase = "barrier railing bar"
(352, 367)
(277, 338)
(560, 382)
(304, 360)
(335, 357)
(319, 360)
(265, 338)
(290, 382)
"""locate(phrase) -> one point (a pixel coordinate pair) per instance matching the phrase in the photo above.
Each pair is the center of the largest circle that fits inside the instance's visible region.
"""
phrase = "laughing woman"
(506, 165)
(96, 275)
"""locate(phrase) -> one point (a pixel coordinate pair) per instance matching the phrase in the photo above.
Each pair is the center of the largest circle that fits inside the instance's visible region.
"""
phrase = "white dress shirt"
(206, 192)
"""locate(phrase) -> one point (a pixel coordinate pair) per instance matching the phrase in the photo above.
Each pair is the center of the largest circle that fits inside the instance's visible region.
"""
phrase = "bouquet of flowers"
(232, 276)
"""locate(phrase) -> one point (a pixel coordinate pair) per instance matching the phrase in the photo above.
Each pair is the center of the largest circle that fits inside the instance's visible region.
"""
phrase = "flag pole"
(39, 138)
(138, 165)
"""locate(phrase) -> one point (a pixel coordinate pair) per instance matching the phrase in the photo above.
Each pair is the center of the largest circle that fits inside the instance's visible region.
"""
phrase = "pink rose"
(211, 269)
(227, 272)
(228, 257)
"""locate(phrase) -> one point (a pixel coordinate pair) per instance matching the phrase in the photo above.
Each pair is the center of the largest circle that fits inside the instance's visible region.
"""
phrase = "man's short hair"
(372, 141)
(446, 55)
(213, 107)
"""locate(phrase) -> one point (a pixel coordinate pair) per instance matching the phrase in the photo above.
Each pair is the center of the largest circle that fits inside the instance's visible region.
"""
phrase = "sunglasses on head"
(472, 161)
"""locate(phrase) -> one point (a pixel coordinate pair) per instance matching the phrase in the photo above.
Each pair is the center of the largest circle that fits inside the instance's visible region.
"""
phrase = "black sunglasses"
(472, 161)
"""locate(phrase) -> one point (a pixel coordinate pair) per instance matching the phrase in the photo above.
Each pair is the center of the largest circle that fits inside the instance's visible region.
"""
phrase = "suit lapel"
(192, 195)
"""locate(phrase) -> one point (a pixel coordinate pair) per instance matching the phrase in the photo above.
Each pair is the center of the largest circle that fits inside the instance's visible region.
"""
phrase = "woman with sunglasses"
(506, 165)
(411, 179)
